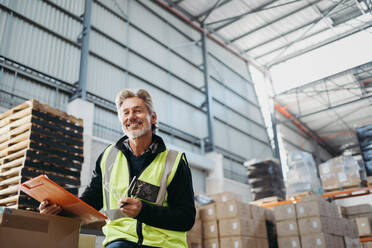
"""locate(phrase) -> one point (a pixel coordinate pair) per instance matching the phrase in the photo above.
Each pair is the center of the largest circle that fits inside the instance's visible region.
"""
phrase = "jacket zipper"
(139, 233)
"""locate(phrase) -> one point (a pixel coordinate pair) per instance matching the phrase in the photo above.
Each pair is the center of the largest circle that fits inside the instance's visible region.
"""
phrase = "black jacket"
(179, 215)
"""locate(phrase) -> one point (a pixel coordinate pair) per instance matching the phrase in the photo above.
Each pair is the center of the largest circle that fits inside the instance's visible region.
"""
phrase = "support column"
(84, 110)
(214, 181)
(208, 101)
(82, 84)
(273, 119)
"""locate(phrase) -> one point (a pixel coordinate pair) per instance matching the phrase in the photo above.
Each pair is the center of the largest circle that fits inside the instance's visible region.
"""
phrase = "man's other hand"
(46, 208)
(132, 207)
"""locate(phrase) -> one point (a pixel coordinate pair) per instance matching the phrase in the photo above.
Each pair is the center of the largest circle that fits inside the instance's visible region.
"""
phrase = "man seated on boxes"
(144, 188)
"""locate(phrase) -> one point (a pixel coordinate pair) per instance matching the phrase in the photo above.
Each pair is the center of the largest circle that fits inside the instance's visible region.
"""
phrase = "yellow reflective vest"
(115, 182)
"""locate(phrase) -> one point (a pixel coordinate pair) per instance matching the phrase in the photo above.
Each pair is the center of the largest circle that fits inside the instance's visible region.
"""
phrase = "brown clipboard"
(41, 188)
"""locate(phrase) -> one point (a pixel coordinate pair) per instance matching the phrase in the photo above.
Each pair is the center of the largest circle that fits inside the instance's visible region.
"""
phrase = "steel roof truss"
(274, 21)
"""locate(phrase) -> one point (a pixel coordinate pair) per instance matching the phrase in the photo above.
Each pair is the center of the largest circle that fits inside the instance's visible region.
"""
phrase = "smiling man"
(144, 188)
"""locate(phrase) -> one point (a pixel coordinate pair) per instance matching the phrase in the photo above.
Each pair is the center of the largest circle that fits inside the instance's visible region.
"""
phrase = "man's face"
(136, 119)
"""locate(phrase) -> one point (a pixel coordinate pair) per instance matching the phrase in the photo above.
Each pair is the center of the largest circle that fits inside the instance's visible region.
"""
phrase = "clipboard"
(41, 188)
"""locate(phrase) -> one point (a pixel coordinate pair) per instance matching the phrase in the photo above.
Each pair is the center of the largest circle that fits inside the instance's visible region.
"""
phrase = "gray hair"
(140, 93)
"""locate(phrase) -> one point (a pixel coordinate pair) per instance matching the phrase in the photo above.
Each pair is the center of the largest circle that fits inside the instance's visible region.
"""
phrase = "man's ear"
(154, 118)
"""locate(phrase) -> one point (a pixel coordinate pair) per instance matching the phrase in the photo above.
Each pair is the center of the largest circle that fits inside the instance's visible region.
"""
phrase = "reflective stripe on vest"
(113, 214)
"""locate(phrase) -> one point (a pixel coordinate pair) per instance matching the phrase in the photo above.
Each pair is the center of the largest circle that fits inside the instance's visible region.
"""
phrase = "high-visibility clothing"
(150, 187)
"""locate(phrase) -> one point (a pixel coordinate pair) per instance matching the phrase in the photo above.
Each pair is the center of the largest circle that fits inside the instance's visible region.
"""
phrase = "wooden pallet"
(13, 156)
(15, 131)
(351, 187)
(272, 199)
(38, 139)
(14, 148)
(369, 181)
(15, 113)
(57, 113)
(298, 195)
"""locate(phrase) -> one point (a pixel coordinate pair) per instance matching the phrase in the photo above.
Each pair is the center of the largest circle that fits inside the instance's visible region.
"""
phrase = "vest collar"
(156, 146)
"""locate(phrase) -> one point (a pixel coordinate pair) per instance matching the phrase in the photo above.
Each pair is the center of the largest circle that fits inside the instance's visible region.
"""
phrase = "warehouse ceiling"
(329, 110)
(268, 32)
(272, 31)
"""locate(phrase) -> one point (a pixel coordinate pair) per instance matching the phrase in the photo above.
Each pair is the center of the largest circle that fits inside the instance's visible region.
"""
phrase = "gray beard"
(136, 134)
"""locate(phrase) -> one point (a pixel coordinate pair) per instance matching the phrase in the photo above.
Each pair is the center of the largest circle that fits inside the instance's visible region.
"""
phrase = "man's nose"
(132, 115)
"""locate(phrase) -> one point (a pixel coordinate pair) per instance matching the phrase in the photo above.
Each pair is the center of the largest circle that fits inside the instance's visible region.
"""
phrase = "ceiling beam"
(319, 44)
(283, 111)
(233, 19)
(333, 107)
(365, 68)
(222, 43)
(210, 11)
(207, 11)
(291, 31)
(274, 21)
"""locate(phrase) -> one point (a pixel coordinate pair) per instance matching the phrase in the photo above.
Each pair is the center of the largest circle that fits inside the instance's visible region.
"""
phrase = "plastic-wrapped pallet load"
(266, 179)
(302, 174)
(364, 135)
(340, 172)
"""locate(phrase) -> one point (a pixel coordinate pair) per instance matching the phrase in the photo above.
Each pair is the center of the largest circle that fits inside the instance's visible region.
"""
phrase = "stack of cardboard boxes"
(313, 222)
(231, 223)
(195, 235)
(340, 172)
(362, 215)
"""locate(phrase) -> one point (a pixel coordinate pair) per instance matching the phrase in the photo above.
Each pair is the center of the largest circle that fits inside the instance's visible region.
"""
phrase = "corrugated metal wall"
(134, 44)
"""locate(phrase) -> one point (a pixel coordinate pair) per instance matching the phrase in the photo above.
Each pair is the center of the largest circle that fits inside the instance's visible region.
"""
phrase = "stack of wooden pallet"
(38, 139)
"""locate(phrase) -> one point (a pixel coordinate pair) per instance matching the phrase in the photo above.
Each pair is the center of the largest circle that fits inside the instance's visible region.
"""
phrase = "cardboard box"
(208, 212)
(342, 211)
(330, 181)
(87, 241)
(316, 208)
(350, 228)
(197, 216)
(367, 245)
(238, 242)
(321, 240)
(195, 234)
(364, 226)
(194, 244)
(242, 227)
(262, 243)
(289, 242)
(258, 213)
(352, 242)
(287, 228)
(233, 209)
(226, 196)
(285, 212)
(348, 180)
(321, 224)
(359, 209)
(269, 215)
(210, 230)
(33, 230)
(211, 243)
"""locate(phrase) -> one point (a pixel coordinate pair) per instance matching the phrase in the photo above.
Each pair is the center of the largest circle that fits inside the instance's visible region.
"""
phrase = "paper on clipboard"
(42, 188)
